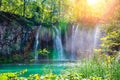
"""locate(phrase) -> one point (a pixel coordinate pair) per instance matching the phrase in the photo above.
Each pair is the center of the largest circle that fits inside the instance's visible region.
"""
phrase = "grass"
(106, 67)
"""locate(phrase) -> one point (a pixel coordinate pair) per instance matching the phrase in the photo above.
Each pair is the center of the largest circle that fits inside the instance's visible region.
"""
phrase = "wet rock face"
(9, 37)
(13, 37)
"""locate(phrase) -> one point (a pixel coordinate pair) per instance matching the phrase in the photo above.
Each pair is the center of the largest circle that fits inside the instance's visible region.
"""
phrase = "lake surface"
(41, 69)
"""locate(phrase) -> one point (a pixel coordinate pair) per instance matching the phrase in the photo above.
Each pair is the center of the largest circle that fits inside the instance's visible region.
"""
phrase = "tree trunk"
(0, 3)
(24, 8)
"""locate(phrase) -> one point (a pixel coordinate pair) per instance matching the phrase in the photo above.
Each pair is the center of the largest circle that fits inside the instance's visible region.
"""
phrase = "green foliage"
(111, 42)
(17, 58)
(63, 24)
(45, 12)
(43, 52)
(49, 76)
(12, 76)
(101, 67)
(95, 78)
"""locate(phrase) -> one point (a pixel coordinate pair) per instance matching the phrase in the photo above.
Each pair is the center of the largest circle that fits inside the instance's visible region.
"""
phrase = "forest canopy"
(51, 11)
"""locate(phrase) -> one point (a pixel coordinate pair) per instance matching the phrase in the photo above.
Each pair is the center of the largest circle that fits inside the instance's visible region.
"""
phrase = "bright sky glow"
(91, 2)
(91, 11)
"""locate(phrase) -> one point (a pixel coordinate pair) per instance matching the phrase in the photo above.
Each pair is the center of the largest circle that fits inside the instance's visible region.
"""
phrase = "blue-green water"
(34, 68)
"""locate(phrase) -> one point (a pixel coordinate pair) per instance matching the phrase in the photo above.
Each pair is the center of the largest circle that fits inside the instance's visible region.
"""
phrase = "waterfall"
(36, 43)
(58, 47)
(97, 37)
(82, 41)
(74, 37)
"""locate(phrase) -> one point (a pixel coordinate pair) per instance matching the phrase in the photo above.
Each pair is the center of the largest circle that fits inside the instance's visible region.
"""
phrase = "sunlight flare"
(91, 11)
(91, 2)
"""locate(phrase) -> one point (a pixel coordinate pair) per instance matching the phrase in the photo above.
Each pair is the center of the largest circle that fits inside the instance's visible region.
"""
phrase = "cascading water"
(74, 37)
(36, 43)
(97, 37)
(82, 41)
(58, 47)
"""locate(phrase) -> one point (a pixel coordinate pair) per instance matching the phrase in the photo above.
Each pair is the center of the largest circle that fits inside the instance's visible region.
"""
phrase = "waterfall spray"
(74, 39)
(82, 41)
(58, 47)
(36, 43)
(97, 37)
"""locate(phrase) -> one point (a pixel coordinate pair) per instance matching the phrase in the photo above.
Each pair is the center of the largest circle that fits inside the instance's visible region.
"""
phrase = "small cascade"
(74, 38)
(82, 41)
(58, 47)
(36, 43)
(97, 36)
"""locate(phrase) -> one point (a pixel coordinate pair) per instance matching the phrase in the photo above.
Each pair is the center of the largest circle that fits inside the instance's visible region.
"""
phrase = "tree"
(111, 41)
